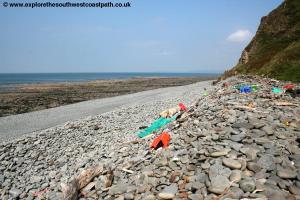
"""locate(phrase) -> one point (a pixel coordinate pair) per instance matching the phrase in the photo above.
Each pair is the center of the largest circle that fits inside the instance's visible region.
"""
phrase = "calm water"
(75, 77)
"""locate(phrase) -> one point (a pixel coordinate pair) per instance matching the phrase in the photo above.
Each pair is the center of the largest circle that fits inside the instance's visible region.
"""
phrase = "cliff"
(275, 49)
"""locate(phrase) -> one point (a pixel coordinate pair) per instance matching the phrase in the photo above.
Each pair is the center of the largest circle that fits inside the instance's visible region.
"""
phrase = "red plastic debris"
(289, 86)
(182, 106)
(161, 141)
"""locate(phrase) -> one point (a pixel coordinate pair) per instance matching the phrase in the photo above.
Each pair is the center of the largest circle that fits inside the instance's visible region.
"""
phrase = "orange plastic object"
(161, 141)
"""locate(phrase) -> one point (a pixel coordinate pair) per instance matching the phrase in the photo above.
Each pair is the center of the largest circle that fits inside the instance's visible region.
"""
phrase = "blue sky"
(151, 36)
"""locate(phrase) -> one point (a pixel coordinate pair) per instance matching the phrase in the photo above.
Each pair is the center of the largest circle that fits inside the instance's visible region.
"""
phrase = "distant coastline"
(24, 78)
(17, 98)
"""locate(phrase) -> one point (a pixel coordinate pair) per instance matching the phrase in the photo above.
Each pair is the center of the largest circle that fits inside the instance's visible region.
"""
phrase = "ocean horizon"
(23, 78)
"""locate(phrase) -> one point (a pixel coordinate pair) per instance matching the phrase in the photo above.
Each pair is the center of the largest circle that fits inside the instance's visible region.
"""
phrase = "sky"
(150, 36)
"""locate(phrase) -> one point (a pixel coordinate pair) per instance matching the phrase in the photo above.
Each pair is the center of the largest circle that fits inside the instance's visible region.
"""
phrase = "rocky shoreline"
(24, 98)
(230, 145)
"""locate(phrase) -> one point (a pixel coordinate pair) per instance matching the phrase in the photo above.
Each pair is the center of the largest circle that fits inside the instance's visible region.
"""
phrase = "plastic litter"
(182, 107)
(245, 89)
(161, 141)
(172, 111)
(156, 125)
(277, 90)
(205, 93)
(289, 86)
(254, 88)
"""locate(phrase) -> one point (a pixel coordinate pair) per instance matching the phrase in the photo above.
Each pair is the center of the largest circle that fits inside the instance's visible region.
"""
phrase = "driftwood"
(109, 178)
(71, 189)
(284, 103)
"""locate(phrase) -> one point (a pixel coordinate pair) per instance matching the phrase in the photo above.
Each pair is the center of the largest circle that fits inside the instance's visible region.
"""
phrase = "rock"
(150, 197)
(294, 190)
(243, 125)
(267, 162)
(195, 197)
(251, 153)
(253, 166)
(205, 165)
(15, 193)
(286, 174)
(168, 192)
(231, 163)
(120, 188)
(247, 185)
(269, 130)
(223, 152)
(197, 186)
(237, 138)
(36, 179)
(218, 169)
(128, 196)
(235, 176)
(218, 184)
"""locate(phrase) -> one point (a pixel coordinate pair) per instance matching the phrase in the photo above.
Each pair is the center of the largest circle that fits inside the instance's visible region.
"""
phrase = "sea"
(21, 78)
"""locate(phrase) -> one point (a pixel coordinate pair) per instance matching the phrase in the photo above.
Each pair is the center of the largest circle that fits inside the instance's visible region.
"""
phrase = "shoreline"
(228, 141)
(28, 97)
(14, 126)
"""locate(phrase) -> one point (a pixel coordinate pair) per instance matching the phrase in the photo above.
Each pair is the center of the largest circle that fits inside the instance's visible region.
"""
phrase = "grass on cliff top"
(277, 52)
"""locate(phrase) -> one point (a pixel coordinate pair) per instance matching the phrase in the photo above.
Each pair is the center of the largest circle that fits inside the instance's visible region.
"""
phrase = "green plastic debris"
(205, 93)
(277, 90)
(254, 88)
(156, 125)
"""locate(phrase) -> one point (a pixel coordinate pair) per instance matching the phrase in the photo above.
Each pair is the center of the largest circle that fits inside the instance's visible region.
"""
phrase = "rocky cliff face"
(275, 49)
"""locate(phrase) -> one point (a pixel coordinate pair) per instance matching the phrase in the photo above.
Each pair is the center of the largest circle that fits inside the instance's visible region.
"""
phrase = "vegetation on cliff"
(275, 49)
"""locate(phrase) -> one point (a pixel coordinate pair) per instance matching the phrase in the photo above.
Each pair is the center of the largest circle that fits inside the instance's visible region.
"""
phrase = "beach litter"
(277, 90)
(161, 141)
(289, 86)
(156, 125)
(254, 88)
(245, 89)
(172, 111)
(182, 107)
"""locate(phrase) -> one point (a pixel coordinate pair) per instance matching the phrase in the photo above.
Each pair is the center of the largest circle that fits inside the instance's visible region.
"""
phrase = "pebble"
(286, 174)
(235, 176)
(195, 197)
(247, 185)
(223, 152)
(253, 166)
(218, 184)
(218, 143)
(294, 190)
(168, 192)
(231, 163)
(15, 193)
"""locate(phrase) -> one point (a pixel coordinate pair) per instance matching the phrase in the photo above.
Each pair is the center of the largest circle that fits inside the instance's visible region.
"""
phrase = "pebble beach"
(229, 145)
